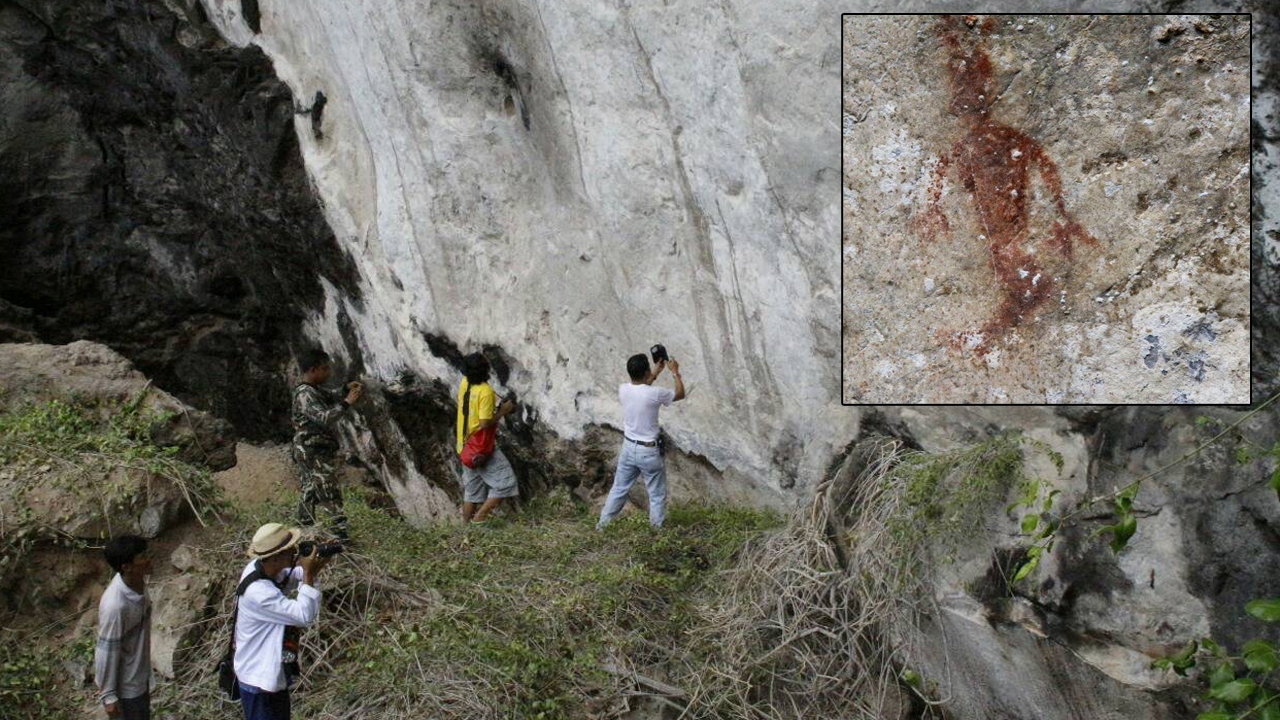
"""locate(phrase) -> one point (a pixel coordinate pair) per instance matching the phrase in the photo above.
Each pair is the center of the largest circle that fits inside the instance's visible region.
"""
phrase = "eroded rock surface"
(1077, 638)
(1048, 209)
(153, 198)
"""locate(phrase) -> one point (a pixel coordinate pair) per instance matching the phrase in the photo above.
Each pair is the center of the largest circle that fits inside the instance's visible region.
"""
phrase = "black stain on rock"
(154, 199)
(316, 111)
(501, 67)
(444, 348)
(1153, 353)
(1201, 331)
(252, 15)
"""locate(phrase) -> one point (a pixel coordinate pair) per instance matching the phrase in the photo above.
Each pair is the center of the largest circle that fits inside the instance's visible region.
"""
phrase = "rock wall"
(559, 186)
(575, 182)
(1076, 639)
(153, 197)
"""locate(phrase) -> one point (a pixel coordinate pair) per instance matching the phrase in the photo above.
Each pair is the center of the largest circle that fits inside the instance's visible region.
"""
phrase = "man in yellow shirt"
(496, 479)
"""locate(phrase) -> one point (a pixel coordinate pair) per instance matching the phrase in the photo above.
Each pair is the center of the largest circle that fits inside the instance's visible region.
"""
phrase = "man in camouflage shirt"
(315, 414)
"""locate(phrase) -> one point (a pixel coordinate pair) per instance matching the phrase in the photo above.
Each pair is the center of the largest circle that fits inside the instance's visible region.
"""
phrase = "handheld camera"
(327, 549)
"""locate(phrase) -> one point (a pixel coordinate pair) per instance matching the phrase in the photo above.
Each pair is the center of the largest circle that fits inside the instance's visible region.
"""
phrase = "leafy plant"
(1237, 685)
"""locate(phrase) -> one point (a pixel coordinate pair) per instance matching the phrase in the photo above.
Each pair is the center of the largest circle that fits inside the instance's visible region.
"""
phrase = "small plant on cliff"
(1042, 526)
(946, 493)
(1239, 685)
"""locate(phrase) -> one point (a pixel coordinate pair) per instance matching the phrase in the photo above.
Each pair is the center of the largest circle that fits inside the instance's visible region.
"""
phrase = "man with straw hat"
(267, 619)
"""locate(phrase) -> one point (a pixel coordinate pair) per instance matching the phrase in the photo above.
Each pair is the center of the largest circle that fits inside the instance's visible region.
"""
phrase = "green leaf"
(1270, 711)
(1201, 420)
(1221, 675)
(1242, 455)
(1048, 499)
(1260, 656)
(1234, 691)
(1268, 610)
(1275, 480)
(1122, 531)
(1187, 652)
(1213, 647)
(1180, 662)
(1214, 715)
(911, 677)
(1026, 569)
(1046, 530)
(1029, 523)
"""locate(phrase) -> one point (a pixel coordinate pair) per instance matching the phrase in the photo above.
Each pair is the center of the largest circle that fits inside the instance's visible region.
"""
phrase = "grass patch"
(532, 615)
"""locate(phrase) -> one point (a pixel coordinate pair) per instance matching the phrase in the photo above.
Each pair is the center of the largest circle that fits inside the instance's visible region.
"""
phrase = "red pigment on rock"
(993, 162)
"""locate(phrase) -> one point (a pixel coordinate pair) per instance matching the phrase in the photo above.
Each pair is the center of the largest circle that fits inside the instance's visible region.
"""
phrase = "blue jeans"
(634, 460)
(259, 705)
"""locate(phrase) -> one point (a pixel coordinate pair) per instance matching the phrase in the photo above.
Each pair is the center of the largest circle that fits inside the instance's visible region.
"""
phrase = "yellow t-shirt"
(483, 400)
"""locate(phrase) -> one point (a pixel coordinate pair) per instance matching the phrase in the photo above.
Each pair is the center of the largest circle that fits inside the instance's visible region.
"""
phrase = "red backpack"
(479, 446)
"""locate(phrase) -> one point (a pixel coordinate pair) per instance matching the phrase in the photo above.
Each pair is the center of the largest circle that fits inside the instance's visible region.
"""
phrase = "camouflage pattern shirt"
(315, 414)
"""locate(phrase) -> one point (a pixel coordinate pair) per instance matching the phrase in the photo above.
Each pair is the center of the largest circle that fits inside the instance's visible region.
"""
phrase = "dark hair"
(476, 368)
(638, 367)
(121, 551)
(312, 359)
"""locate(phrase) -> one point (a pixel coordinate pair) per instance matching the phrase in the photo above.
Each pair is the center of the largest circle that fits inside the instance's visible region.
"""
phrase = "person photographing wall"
(315, 413)
(642, 449)
(267, 619)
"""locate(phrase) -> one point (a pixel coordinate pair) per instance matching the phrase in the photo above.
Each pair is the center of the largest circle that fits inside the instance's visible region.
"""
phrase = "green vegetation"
(66, 461)
(532, 615)
(1237, 685)
(34, 677)
(540, 605)
(946, 494)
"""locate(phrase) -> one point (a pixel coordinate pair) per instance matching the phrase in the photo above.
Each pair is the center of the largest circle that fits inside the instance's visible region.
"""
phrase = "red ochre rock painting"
(993, 162)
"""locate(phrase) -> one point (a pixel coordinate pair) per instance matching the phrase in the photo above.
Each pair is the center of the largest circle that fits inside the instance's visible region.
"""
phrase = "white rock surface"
(675, 184)
(627, 173)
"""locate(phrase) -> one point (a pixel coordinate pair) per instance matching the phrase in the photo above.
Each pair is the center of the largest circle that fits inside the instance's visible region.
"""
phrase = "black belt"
(645, 443)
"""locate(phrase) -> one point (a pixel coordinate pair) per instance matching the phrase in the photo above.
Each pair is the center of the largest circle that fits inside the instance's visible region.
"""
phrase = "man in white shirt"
(263, 612)
(122, 657)
(641, 450)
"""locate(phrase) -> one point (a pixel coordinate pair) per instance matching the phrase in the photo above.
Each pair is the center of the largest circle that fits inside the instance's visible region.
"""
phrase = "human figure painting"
(996, 164)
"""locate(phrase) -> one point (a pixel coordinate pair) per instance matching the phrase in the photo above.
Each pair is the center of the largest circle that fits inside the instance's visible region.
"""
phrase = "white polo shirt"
(264, 611)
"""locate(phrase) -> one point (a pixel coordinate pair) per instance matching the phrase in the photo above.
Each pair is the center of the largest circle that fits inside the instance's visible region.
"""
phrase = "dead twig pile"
(804, 627)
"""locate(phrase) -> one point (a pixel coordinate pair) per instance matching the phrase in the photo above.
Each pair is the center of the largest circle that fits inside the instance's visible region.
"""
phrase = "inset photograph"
(1046, 209)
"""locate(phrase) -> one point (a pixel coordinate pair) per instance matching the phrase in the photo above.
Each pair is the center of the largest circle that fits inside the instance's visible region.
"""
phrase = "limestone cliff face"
(575, 182)
(563, 184)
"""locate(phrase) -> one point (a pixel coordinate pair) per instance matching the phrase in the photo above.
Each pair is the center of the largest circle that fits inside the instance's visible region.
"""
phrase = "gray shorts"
(495, 480)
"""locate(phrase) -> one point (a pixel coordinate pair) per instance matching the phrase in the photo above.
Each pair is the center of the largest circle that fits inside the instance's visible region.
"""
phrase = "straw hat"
(273, 538)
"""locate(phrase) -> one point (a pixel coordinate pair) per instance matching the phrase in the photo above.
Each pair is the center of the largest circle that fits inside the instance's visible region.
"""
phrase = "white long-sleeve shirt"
(264, 611)
(122, 657)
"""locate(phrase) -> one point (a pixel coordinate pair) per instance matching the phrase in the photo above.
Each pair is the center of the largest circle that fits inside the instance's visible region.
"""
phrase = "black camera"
(327, 549)
(659, 353)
